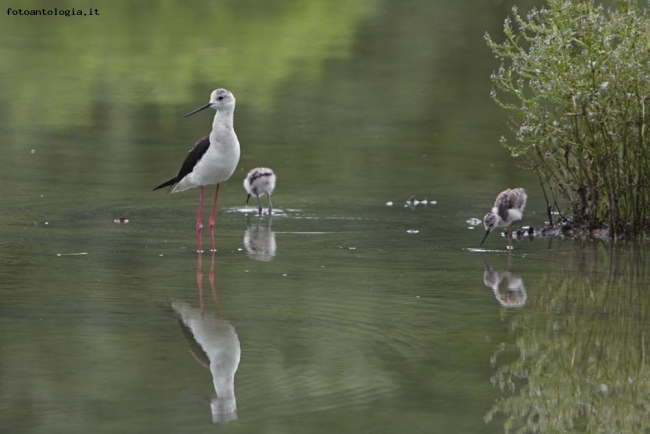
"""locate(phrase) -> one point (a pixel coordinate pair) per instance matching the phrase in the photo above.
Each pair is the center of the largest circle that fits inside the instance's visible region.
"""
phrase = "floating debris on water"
(471, 227)
(72, 254)
(412, 231)
(603, 388)
(33, 151)
(389, 203)
(412, 202)
(121, 220)
(473, 221)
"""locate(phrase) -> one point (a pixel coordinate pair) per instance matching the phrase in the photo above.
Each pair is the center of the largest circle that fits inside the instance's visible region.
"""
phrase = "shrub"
(577, 78)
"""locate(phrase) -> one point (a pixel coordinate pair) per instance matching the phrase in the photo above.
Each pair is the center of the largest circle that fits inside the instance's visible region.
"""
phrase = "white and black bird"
(508, 289)
(508, 208)
(260, 242)
(212, 160)
(215, 344)
(260, 181)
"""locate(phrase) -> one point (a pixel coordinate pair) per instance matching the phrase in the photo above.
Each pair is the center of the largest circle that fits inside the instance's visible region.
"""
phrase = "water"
(350, 315)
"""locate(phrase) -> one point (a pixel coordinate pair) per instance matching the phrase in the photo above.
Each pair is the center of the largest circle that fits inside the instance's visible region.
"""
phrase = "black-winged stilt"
(212, 160)
(260, 181)
(508, 208)
(508, 289)
(259, 241)
(215, 344)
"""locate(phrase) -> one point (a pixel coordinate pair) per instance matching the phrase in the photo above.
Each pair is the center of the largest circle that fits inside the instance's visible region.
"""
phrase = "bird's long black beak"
(198, 110)
(487, 232)
(247, 199)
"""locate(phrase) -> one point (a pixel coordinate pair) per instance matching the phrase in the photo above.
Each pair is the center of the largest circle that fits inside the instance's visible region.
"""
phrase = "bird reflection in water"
(214, 344)
(259, 240)
(508, 289)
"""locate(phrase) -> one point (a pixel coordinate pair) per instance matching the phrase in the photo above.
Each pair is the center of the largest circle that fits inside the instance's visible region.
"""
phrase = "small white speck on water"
(433, 202)
(42, 195)
(284, 275)
(417, 296)
(322, 266)
(389, 203)
(72, 254)
(352, 248)
(246, 271)
(161, 255)
(33, 151)
(510, 247)
(603, 388)
(471, 227)
(239, 249)
(47, 223)
(473, 221)
(412, 231)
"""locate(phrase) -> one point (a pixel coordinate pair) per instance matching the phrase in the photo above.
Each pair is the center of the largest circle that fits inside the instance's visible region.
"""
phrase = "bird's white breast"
(221, 159)
(217, 164)
(515, 215)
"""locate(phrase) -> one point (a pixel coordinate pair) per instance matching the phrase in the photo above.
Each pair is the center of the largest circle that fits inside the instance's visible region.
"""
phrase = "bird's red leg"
(509, 238)
(214, 210)
(199, 280)
(199, 220)
(214, 288)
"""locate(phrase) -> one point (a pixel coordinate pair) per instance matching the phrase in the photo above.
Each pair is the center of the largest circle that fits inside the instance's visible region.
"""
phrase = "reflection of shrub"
(582, 346)
(578, 79)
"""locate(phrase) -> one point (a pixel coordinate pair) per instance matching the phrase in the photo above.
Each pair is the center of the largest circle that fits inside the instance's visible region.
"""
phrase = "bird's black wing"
(196, 153)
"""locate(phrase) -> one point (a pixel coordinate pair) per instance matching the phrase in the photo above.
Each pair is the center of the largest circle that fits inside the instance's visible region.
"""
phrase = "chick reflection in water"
(508, 289)
(259, 241)
(214, 344)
